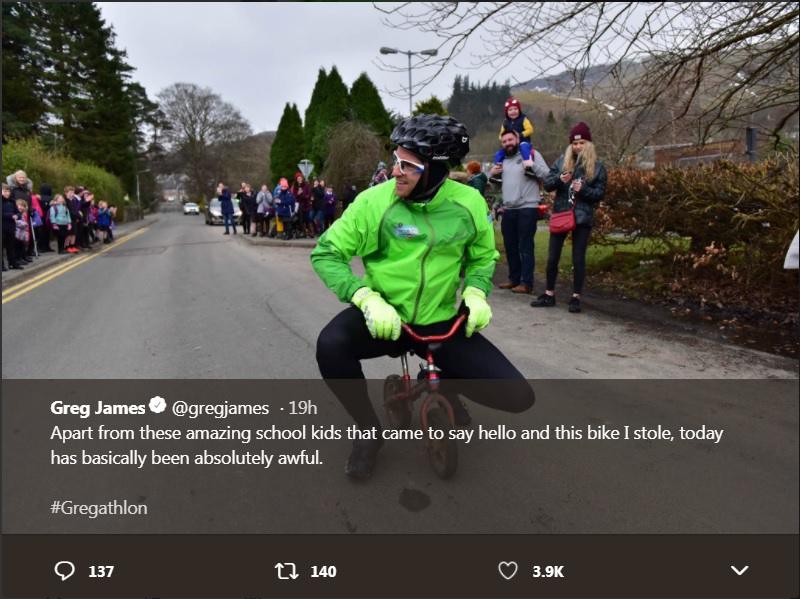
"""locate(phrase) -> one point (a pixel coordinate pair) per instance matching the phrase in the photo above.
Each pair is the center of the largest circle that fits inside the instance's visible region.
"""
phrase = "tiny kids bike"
(436, 413)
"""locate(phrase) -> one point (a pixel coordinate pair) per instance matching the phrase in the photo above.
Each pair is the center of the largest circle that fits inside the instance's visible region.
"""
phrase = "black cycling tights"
(345, 341)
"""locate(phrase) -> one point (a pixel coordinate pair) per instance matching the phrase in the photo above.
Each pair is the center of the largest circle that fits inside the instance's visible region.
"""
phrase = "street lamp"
(409, 53)
(138, 198)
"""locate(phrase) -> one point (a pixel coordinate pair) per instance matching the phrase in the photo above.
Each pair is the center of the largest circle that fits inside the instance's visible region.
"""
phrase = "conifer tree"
(23, 107)
(65, 80)
(367, 107)
(432, 105)
(312, 112)
(287, 148)
(333, 109)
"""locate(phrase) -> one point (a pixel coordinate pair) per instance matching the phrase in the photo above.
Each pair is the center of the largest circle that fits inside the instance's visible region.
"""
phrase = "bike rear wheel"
(442, 453)
(398, 408)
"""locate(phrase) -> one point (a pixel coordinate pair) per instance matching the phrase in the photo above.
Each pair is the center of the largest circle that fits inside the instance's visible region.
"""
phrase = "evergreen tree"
(104, 131)
(287, 149)
(66, 83)
(432, 105)
(64, 79)
(334, 108)
(312, 112)
(456, 103)
(23, 107)
(367, 107)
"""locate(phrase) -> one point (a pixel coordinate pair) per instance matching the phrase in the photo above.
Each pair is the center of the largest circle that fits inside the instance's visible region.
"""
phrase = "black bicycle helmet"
(433, 137)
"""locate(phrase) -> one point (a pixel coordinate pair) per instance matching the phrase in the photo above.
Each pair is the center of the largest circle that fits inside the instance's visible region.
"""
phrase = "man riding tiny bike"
(416, 234)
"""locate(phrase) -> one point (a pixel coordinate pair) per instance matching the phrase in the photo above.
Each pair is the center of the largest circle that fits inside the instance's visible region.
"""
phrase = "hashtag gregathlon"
(95, 510)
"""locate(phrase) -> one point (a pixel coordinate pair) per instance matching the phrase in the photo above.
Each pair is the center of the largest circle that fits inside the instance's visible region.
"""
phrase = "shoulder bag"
(564, 222)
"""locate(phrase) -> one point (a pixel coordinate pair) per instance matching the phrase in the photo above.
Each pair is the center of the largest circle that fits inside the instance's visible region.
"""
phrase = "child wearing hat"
(517, 121)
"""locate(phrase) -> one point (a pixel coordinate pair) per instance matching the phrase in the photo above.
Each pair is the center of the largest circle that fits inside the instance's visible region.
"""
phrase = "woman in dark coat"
(579, 180)
(226, 208)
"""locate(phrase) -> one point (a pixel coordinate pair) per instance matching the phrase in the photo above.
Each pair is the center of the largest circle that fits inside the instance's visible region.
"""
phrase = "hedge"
(738, 218)
(45, 166)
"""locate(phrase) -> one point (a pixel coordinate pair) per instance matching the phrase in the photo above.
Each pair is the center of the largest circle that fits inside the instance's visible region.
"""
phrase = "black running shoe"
(544, 301)
(575, 305)
(361, 462)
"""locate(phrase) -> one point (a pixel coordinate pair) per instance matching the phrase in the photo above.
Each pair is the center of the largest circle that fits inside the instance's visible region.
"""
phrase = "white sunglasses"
(410, 165)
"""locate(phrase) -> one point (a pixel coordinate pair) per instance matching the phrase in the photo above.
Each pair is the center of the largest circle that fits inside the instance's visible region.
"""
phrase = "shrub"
(354, 151)
(45, 166)
(739, 219)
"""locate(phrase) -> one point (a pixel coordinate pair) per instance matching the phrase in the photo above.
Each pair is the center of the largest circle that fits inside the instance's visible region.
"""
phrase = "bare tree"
(709, 66)
(200, 126)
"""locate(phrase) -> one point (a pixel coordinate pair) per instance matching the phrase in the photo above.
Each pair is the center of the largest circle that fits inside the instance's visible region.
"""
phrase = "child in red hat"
(517, 121)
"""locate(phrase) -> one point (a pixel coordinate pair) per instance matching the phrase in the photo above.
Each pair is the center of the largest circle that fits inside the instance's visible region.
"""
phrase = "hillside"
(563, 83)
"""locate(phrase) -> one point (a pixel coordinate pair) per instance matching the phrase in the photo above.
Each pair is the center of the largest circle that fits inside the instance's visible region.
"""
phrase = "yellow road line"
(81, 260)
(48, 272)
(23, 288)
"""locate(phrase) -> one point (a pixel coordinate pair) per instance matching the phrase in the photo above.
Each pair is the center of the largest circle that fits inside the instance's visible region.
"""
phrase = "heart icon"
(508, 570)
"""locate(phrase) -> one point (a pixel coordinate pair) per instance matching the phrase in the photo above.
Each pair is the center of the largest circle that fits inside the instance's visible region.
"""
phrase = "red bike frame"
(431, 381)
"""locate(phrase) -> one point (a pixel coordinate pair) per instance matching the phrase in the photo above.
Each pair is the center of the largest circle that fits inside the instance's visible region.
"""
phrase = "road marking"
(23, 288)
(17, 287)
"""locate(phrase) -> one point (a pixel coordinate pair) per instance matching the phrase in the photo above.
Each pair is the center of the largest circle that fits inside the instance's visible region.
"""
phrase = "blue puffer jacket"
(284, 203)
(586, 199)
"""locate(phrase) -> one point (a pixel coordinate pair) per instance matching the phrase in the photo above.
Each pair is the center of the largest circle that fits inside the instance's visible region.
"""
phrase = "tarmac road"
(181, 301)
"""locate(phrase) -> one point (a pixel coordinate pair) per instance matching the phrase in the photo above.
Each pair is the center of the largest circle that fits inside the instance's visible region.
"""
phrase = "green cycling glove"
(382, 319)
(480, 314)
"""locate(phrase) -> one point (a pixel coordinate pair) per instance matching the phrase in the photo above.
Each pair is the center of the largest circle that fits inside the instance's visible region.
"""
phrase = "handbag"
(564, 222)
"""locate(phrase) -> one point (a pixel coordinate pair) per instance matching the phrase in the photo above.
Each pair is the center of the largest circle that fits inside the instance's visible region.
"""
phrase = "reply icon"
(64, 570)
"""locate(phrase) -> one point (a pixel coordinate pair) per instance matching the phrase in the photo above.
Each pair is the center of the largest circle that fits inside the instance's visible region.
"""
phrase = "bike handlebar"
(435, 338)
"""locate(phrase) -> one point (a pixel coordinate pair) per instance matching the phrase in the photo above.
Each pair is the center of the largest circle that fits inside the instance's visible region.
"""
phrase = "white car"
(191, 208)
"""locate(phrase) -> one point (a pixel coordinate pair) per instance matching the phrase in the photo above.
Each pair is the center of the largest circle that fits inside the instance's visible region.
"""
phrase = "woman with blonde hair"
(579, 181)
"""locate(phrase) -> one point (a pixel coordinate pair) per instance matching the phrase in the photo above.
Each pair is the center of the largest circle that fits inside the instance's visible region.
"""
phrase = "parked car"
(191, 208)
(214, 212)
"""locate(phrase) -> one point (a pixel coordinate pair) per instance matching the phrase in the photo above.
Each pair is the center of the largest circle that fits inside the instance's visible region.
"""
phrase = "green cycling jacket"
(413, 253)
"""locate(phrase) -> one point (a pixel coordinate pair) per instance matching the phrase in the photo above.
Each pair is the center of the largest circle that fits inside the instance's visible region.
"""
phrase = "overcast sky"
(258, 56)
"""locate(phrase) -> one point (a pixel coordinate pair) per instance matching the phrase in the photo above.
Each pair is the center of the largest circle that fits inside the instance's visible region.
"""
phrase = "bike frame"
(431, 381)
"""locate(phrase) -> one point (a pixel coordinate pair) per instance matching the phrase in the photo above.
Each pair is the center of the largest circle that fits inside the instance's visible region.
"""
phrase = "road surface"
(179, 300)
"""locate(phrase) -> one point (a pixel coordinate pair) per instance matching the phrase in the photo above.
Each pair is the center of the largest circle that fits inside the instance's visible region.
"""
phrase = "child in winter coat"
(517, 121)
(23, 230)
(285, 208)
(330, 207)
(104, 221)
(60, 221)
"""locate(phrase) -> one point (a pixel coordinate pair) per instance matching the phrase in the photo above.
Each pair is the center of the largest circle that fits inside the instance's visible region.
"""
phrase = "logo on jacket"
(406, 231)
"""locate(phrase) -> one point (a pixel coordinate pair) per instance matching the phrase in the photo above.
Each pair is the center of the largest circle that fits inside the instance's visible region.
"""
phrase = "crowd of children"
(31, 221)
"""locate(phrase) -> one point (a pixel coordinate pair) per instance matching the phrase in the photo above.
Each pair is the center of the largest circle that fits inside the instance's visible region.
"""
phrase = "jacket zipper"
(422, 267)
